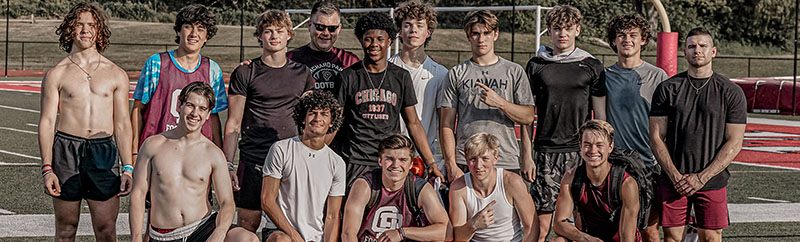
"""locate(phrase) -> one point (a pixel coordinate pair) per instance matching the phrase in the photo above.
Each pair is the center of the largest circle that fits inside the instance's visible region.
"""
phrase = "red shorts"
(710, 207)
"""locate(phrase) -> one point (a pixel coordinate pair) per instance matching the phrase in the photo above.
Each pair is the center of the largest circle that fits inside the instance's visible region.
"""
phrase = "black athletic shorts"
(250, 178)
(86, 168)
(201, 234)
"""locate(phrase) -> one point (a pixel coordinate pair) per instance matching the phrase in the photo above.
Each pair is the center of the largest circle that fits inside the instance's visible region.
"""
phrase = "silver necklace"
(697, 89)
(370, 78)
(88, 76)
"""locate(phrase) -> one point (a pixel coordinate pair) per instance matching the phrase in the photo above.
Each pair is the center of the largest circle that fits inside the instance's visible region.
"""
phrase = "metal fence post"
(23, 56)
(748, 67)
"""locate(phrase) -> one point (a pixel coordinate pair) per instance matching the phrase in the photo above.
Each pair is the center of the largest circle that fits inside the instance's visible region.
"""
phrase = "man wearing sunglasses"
(324, 60)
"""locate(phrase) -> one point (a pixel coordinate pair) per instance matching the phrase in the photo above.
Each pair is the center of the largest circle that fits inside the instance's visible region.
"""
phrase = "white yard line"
(18, 164)
(19, 109)
(20, 155)
(32, 125)
(6, 212)
(766, 166)
(18, 130)
(767, 200)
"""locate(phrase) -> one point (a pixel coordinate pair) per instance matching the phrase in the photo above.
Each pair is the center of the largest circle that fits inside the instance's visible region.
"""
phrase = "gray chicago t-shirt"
(630, 92)
(459, 91)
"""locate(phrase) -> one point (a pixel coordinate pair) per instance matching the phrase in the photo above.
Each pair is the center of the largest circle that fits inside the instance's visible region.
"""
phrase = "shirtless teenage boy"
(88, 94)
(178, 168)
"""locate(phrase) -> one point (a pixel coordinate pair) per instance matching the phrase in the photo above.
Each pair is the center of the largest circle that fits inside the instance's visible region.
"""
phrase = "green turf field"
(23, 192)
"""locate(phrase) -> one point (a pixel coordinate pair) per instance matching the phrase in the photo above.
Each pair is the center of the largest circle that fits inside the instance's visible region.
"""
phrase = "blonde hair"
(480, 143)
(598, 127)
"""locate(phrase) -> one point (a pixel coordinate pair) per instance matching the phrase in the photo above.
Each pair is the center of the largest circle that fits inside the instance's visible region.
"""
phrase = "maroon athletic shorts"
(710, 207)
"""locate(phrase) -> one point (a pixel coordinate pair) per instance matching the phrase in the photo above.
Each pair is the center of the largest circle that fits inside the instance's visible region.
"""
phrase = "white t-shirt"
(427, 79)
(307, 177)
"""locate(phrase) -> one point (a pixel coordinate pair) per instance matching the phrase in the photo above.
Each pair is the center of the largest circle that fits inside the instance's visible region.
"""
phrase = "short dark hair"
(196, 13)
(325, 7)
(201, 89)
(314, 100)
(396, 142)
(375, 20)
(103, 33)
(700, 31)
(621, 23)
(563, 16)
(598, 126)
(415, 9)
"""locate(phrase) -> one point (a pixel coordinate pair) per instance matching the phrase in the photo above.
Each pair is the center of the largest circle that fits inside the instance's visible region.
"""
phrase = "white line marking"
(6, 212)
(18, 130)
(32, 125)
(18, 164)
(766, 166)
(768, 200)
(22, 91)
(19, 109)
(20, 155)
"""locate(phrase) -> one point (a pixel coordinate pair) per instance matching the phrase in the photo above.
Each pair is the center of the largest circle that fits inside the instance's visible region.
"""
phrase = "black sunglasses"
(321, 27)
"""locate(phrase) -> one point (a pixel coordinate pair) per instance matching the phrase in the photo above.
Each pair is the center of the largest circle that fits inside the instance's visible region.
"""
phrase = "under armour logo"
(311, 155)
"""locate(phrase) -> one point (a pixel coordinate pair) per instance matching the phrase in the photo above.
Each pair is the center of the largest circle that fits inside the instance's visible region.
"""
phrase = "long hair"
(65, 31)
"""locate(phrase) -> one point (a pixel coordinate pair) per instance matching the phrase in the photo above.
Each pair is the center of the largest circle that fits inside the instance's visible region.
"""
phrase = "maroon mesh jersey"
(161, 113)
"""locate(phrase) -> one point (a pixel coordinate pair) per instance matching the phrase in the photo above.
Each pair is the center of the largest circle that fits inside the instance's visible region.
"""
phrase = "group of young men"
(323, 145)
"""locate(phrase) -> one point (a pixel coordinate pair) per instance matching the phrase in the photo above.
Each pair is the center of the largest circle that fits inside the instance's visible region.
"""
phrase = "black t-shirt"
(324, 66)
(372, 110)
(271, 95)
(697, 119)
(563, 100)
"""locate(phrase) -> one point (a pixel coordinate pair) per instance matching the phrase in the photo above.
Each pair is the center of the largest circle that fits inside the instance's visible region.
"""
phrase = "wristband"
(127, 168)
(428, 166)
(402, 232)
(45, 172)
(47, 166)
(135, 154)
(230, 166)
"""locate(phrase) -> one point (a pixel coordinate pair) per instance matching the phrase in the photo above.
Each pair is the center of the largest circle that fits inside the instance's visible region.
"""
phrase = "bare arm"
(141, 184)
(447, 138)
(734, 134)
(564, 206)
(233, 127)
(528, 167)
(523, 204)
(436, 215)
(137, 124)
(420, 139)
(330, 231)
(122, 128)
(216, 130)
(599, 107)
(47, 121)
(630, 210)
(521, 114)
(464, 227)
(354, 210)
(269, 203)
(658, 130)
(224, 194)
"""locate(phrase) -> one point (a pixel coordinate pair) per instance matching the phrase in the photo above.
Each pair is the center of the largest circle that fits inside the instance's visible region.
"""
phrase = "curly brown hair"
(65, 31)
(415, 9)
(314, 100)
(273, 18)
(563, 16)
(621, 23)
(196, 13)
